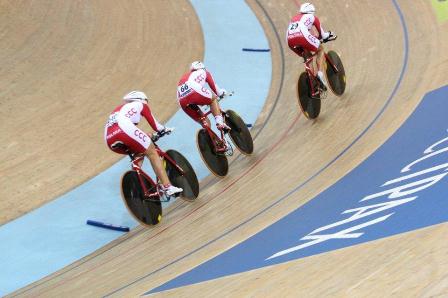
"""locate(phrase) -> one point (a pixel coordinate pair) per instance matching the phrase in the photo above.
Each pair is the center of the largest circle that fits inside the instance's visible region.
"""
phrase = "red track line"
(193, 211)
(235, 180)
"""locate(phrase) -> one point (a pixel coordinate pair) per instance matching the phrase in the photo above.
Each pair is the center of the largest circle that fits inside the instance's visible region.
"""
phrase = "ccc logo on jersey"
(131, 112)
(140, 135)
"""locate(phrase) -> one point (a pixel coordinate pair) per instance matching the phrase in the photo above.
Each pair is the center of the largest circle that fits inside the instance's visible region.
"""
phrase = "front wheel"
(335, 73)
(146, 211)
(188, 181)
(310, 106)
(239, 132)
(216, 163)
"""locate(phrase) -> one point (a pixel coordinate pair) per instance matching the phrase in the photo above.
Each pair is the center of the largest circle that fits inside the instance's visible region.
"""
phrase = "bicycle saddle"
(193, 107)
(119, 145)
(305, 54)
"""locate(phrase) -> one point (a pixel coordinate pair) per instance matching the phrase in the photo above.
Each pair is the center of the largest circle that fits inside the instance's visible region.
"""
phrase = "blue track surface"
(56, 235)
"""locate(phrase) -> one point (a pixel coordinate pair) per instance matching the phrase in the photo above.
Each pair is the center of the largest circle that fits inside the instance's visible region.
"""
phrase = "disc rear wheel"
(310, 105)
(146, 211)
(216, 163)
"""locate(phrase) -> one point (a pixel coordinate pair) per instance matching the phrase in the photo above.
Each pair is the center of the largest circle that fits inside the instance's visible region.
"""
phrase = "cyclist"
(191, 92)
(299, 36)
(121, 127)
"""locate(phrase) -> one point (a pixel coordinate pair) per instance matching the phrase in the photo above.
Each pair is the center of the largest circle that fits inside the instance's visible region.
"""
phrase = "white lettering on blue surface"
(429, 153)
(407, 189)
(344, 234)
(392, 194)
(363, 212)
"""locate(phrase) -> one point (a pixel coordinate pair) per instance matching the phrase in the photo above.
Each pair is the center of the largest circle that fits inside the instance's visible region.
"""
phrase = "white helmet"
(307, 8)
(197, 65)
(136, 96)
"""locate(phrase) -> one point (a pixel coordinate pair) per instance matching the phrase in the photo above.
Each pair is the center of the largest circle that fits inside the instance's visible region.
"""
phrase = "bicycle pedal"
(229, 152)
(221, 148)
(165, 198)
(316, 95)
(153, 200)
(323, 94)
(322, 86)
(221, 152)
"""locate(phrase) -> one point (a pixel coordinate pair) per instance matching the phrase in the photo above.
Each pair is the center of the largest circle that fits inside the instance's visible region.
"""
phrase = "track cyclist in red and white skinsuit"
(191, 93)
(121, 127)
(299, 35)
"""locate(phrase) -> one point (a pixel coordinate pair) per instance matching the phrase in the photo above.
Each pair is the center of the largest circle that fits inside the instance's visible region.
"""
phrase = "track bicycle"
(142, 195)
(214, 148)
(309, 89)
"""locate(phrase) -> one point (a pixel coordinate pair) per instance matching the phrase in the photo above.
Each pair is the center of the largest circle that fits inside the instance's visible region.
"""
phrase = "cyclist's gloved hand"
(331, 36)
(155, 137)
(222, 93)
(165, 131)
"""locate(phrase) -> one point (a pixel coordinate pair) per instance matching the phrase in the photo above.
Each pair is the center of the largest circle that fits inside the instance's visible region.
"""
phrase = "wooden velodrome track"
(66, 86)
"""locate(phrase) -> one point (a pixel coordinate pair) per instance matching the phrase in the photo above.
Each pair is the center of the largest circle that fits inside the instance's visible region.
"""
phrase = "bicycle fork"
(223, 145)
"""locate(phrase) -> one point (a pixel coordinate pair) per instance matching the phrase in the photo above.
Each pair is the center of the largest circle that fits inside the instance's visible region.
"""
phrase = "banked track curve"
(215, 220)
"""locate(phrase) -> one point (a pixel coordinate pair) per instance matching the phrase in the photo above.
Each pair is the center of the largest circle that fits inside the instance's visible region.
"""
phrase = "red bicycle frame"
(309, 68)
(218, 142)
(136, 166)
(327, 58)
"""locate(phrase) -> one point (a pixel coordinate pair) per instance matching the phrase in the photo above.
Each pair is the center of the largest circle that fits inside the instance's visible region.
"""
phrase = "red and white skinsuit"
(299, 34)
(121, 127)
(191, 90)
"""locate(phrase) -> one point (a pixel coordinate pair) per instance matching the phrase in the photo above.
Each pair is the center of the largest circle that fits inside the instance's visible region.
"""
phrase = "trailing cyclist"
(121, 128)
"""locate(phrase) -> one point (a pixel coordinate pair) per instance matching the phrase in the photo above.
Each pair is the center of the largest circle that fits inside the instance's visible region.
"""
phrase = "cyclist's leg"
(206, 97)
(320, 62)
(202, 97)
(214, 106)
(295, 44)
(216, 111)
(124, 133)
(160, 172)
(320, 58)
(140, 143)
(156, 164)
(112, 136)
(313, 44)
(189, 105)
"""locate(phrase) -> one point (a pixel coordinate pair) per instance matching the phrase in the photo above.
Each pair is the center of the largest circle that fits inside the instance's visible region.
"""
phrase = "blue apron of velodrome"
(56, 235)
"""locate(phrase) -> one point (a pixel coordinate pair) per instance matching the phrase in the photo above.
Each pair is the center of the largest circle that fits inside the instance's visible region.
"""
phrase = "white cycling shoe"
(172, 190)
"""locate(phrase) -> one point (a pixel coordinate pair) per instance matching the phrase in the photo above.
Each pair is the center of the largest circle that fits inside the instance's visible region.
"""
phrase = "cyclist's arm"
(320, 30)
(211, 82)
(146, 112)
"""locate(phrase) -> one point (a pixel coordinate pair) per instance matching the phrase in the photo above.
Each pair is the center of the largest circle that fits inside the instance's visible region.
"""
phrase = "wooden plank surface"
(65, 66)
(289, 150)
